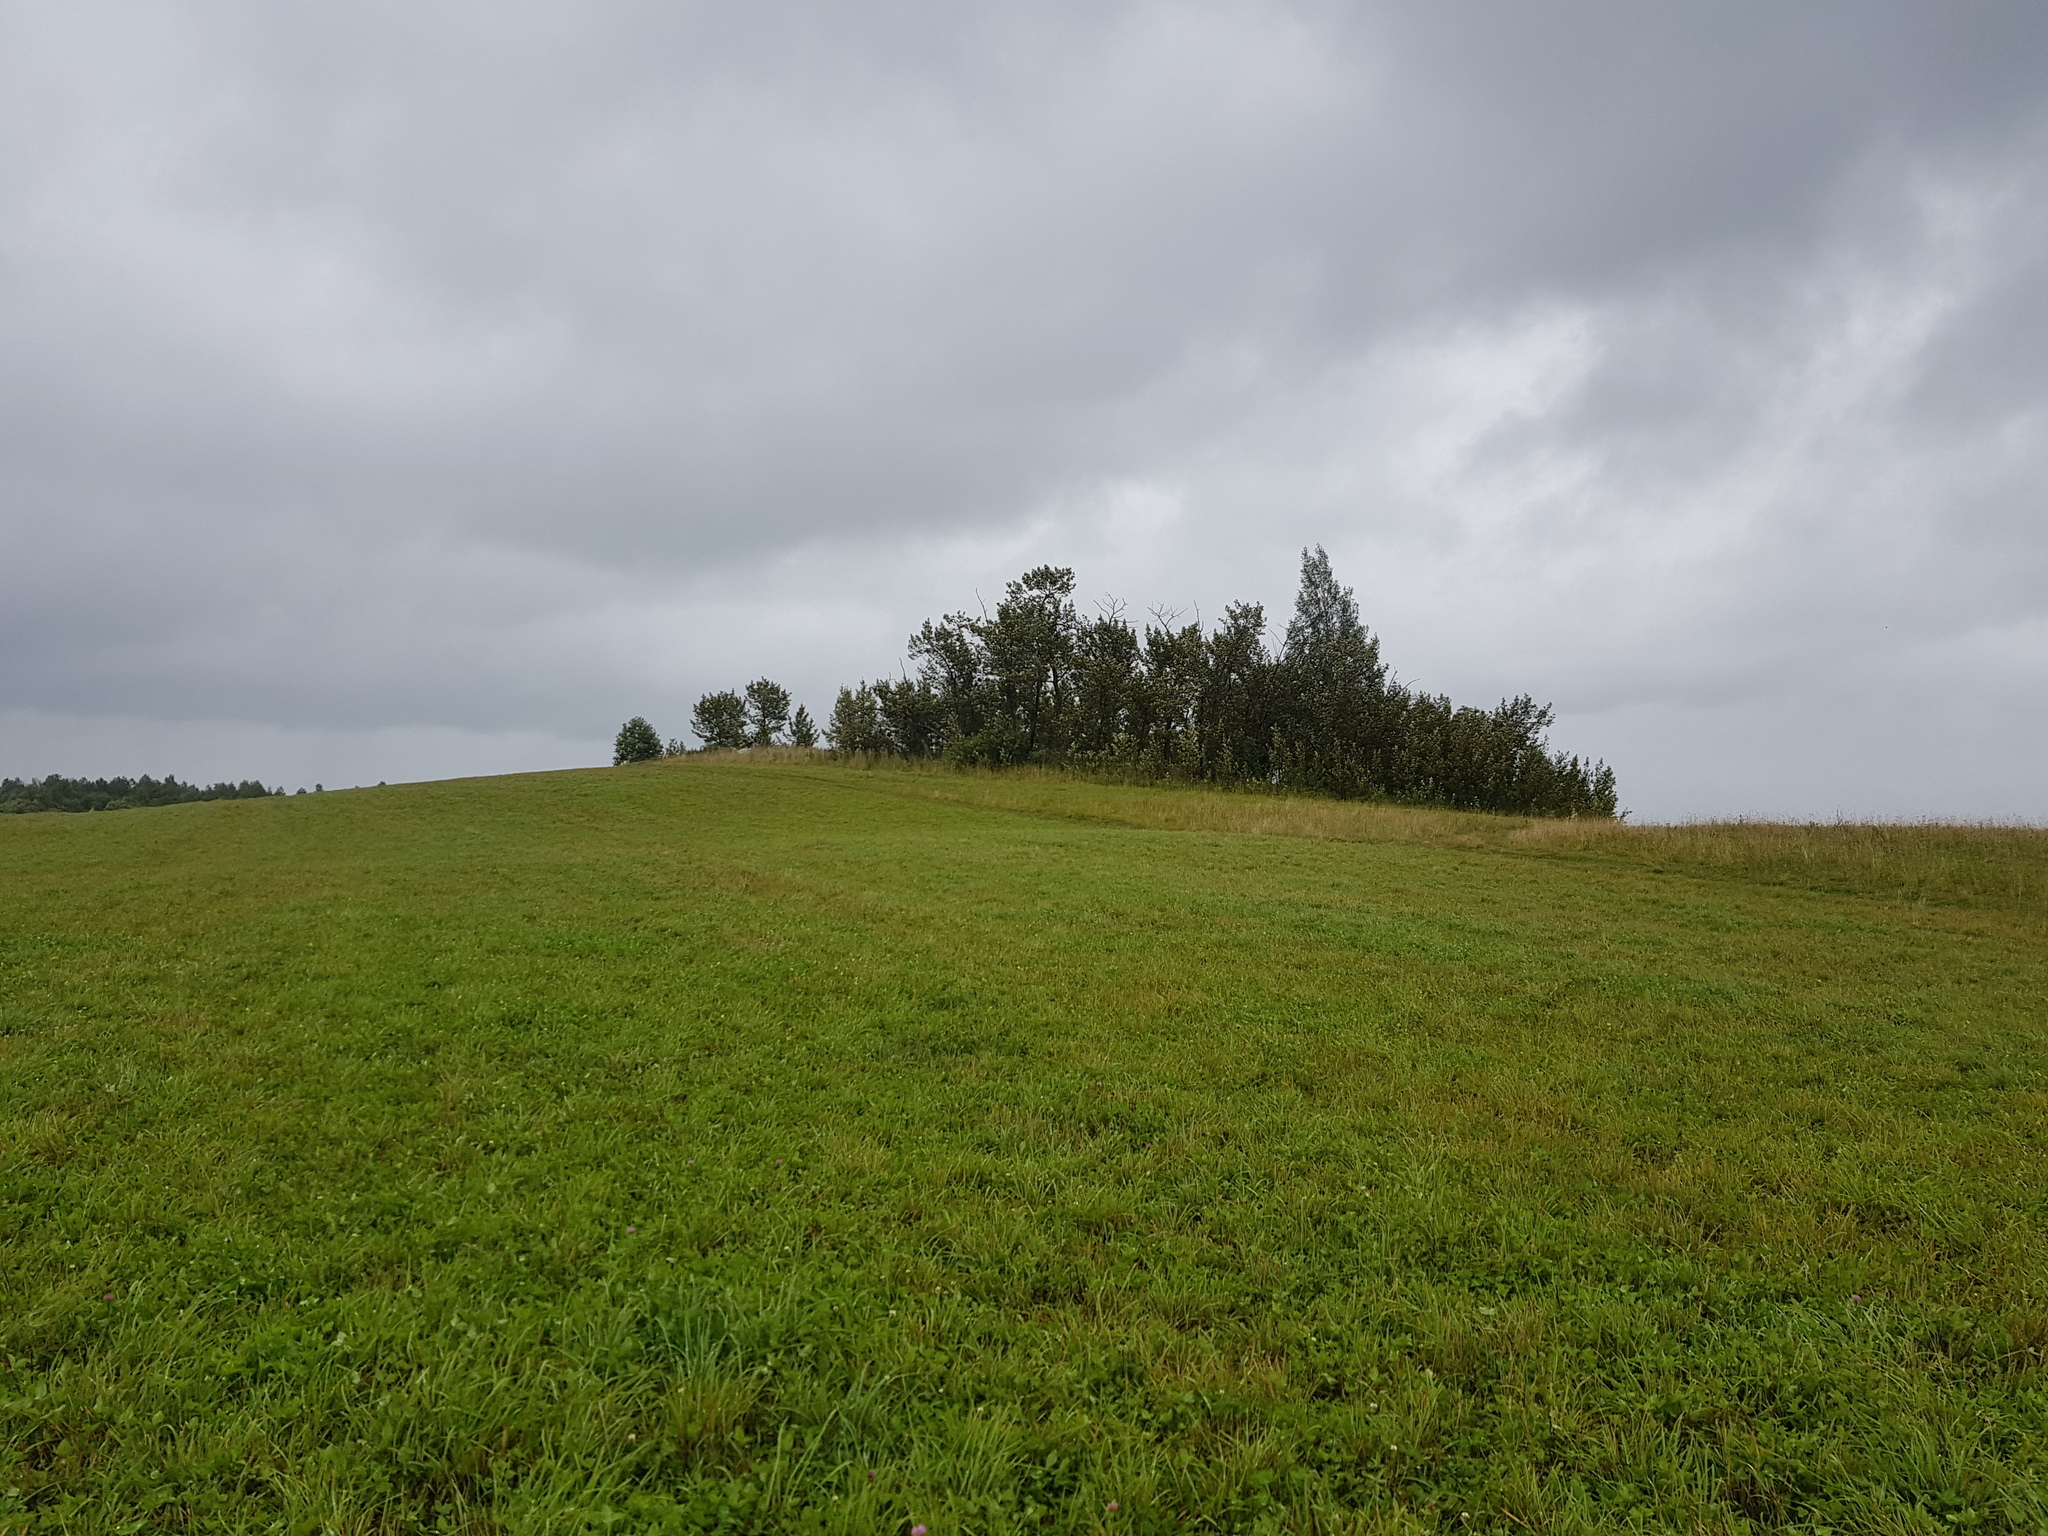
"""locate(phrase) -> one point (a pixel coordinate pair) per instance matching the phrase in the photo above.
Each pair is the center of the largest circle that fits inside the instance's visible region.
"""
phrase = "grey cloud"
(498, 368)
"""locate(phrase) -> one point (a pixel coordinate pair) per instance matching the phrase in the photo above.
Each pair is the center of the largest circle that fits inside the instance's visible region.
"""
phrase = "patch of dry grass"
(2006, 865)
(2001, 865)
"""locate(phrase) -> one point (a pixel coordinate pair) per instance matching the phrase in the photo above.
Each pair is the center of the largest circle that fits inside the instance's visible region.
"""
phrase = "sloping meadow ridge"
(790, 1145)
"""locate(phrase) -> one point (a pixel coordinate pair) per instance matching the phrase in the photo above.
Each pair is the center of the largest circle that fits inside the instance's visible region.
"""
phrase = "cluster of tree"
(56, 793)
(1034, 682)
(759, 715)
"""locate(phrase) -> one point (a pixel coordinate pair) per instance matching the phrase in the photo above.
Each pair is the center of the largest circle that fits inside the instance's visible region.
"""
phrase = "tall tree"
(1235, 712)
(1174, 668)
(913, 717)
(1106, 676)
(1332, 728)
(952, 666)
(767, 713)
(720, 720)
(1029, 646)
(856, 722)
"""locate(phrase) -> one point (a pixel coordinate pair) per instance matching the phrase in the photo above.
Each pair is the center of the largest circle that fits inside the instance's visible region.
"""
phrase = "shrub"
(638, 742)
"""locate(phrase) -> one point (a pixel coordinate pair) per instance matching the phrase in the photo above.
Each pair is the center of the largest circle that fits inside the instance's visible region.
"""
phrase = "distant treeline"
(1034, 682)
(61, 794)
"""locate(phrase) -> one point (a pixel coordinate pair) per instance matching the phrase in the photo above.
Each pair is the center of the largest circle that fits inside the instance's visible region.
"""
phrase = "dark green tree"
(1175, 664)
(1031, 683)
(1029, 651)
(1333, 724)
(802, 733)
(57, 793)
(1106, 676)
(638, 742)
(856, 722)
(952, 667)
(767, 713)
(913, 717)
(720, 720)
(1234, 716)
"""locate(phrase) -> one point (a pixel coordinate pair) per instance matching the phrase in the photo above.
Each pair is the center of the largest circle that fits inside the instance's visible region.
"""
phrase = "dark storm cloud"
(512, 368)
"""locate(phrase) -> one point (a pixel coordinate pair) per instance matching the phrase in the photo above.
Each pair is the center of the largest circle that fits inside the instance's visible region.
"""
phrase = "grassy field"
(798, 1147)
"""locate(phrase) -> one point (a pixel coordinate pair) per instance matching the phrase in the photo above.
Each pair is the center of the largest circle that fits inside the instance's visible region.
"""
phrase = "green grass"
(794, 1147)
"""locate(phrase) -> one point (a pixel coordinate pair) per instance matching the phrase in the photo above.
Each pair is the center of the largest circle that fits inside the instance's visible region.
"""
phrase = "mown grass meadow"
(786, 1145)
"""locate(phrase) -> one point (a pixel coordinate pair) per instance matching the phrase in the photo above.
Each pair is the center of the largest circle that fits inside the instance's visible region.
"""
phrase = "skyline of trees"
(757, 716)
(57, 793)
(1035, 682)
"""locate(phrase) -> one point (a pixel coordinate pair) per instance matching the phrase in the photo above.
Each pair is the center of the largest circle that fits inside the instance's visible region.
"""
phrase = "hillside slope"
(796, 1147)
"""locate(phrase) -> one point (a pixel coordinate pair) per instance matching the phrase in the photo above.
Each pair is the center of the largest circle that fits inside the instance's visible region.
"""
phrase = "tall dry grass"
(2000, 864)
(2003, 863)
(781, 756)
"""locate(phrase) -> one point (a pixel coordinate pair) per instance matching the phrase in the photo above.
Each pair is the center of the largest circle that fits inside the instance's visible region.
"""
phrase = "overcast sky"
(396, 390)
